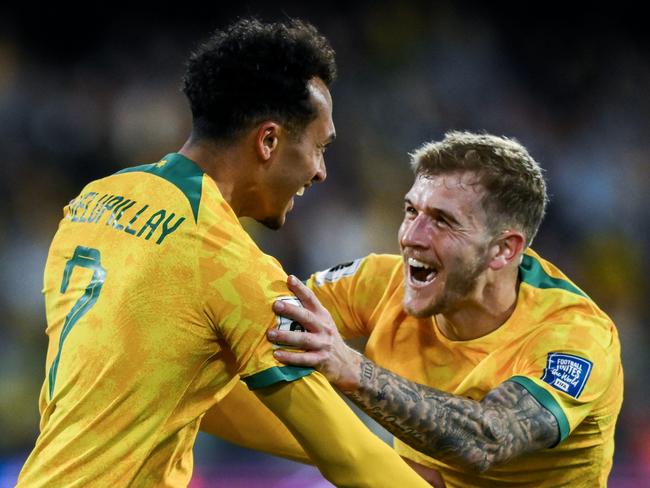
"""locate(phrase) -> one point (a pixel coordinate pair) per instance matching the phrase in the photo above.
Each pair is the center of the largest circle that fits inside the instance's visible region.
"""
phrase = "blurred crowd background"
(84, 94)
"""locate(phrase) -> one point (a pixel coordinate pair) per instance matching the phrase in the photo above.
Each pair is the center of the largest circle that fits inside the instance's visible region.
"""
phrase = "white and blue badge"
(567, 373)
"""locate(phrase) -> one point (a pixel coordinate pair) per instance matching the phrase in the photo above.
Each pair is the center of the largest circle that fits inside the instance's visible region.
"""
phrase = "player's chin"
(417, 307)
(277, 220)
(273, 223)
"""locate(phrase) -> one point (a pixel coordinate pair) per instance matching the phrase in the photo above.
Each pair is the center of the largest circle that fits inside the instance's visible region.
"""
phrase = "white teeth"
(421, 273)
(417, 264)
(301, 192)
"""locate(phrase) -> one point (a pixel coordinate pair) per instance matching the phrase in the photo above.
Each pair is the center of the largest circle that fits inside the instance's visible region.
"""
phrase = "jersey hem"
(548, 402)
(275, 375)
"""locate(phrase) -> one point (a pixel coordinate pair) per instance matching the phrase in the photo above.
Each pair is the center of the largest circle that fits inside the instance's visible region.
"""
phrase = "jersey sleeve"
(243, 283)
(351, 291)
(345, 451)
(568, 368)
(241, 418)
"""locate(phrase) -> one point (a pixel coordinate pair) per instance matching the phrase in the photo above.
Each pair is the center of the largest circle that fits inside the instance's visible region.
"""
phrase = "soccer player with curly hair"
(158, 301)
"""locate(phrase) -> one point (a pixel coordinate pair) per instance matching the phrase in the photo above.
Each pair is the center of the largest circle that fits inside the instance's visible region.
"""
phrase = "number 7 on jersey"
(85, 257)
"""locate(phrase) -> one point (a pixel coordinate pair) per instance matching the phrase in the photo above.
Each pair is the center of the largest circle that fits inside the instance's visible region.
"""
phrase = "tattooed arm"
(506, 423)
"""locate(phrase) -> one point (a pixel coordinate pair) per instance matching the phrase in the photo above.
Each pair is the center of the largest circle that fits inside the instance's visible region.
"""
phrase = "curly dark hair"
(251, 71)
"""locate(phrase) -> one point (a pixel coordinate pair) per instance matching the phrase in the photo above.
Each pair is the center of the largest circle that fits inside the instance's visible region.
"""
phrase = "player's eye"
(409, 211)
(442, 223)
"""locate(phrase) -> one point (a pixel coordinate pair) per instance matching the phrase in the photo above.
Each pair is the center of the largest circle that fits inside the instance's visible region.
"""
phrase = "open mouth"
(421, 273)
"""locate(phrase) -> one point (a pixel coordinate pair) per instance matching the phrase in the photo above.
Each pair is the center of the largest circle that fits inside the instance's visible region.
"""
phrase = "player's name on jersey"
(123, 214)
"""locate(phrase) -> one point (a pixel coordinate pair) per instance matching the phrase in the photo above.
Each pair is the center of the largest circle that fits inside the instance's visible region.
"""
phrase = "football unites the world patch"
(567, 373)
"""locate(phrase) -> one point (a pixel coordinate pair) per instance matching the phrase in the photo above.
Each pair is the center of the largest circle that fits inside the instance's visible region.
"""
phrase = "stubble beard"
(461, 282)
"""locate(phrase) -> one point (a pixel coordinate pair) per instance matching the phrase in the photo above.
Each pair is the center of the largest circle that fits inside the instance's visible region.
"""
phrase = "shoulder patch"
(337, 272)
(283, 323)
(567, 373)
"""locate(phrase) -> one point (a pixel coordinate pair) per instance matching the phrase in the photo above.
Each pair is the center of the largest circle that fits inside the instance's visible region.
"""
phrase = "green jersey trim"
(548, 402)
(179, 171)
(275, 375)
(531, 272)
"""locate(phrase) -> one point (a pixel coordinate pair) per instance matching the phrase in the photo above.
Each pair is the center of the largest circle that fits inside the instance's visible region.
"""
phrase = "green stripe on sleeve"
(548, 402)
(275, 375)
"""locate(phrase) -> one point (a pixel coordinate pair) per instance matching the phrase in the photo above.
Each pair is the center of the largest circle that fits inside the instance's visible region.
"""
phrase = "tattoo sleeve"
(506, 423)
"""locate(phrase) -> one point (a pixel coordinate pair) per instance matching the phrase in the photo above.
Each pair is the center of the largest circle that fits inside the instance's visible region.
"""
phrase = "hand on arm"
(506, 423)
(324, 348)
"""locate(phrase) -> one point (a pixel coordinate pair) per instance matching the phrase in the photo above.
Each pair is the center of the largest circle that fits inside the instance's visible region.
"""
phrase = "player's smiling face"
(300, 161)
(444, 242)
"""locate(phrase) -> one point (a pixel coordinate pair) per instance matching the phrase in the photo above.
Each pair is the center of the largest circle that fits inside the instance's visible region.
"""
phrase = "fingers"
(299, 314)
(304, 294)
(297, 358)
(301, 340)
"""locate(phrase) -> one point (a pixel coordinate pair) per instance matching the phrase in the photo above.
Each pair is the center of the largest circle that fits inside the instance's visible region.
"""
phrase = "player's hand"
(322, 346)
(428, 474)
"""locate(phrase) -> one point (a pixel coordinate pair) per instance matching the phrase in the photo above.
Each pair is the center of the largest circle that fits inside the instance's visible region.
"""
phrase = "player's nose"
(321, 173)
(414, 233)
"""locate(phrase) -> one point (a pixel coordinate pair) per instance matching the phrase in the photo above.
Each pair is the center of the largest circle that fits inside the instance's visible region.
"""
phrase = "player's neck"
(226, 166)
(483, 311)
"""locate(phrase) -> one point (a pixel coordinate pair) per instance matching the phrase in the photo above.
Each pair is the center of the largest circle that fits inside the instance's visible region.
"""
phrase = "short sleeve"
(568, 369)
(243, 286)
(351, 291)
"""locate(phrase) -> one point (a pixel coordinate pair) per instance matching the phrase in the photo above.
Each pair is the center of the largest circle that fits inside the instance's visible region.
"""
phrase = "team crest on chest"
(567, 373)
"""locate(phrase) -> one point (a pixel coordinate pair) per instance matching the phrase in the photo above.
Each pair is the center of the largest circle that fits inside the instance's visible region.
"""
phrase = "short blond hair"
(515, 196)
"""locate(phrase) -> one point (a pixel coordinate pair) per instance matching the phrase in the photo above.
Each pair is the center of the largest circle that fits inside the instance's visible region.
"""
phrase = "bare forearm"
(506, 423)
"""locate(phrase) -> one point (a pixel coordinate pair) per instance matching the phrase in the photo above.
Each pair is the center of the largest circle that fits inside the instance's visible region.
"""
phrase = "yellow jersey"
(152, 316)
(557, 344)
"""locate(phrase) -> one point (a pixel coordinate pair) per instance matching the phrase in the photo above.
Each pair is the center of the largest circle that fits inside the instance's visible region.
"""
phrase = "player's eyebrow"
(446, 215)
(434, 211)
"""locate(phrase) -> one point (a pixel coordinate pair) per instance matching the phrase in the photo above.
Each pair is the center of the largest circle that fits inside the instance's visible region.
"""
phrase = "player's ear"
(266, 139)
(506, 248)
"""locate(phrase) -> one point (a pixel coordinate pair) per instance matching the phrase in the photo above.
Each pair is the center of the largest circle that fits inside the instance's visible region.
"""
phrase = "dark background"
(85, 92)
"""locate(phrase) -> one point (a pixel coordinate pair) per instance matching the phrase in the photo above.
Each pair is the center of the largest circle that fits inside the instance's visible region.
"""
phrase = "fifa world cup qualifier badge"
(567, 373)
(284, 323)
